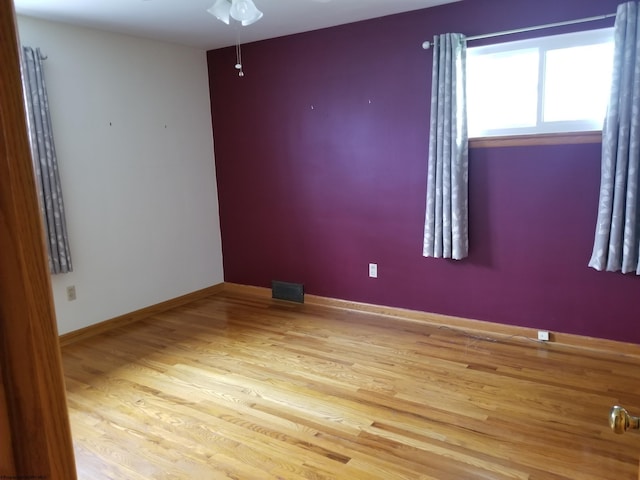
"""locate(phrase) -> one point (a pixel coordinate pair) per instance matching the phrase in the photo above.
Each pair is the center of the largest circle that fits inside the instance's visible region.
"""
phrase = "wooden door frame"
(35, 438)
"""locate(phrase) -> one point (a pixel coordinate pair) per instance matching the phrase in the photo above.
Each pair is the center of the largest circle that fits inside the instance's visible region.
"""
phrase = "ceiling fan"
(244, 11)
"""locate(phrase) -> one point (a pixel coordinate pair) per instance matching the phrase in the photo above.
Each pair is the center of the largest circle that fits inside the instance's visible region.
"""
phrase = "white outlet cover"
(373, 270)
(71, 293)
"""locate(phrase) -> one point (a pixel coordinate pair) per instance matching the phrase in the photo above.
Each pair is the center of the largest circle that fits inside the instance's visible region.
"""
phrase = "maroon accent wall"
(321, 159)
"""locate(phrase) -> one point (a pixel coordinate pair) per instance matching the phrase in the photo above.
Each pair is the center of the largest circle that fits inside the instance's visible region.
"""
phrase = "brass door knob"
(620, 421)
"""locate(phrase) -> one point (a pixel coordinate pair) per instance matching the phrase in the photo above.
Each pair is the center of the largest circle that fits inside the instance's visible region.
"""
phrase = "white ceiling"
(186, 22)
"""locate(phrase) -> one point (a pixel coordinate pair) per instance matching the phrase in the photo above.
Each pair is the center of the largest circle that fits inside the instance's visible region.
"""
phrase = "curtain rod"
(426, 45)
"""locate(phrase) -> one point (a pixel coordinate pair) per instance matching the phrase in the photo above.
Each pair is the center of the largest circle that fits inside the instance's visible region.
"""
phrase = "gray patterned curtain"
(445, 229)
(45, 162)
(617, 239)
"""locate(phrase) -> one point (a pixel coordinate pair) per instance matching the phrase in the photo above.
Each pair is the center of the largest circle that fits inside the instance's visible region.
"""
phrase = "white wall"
(132, 125)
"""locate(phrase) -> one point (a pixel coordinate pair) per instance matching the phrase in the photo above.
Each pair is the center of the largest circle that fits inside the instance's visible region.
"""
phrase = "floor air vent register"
(293, 292)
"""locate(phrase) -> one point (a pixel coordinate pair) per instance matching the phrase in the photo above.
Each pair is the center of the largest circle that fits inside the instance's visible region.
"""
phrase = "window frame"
(543, 45)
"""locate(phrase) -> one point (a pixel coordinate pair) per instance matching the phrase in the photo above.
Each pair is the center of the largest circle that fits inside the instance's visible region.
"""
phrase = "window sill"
(536, 139)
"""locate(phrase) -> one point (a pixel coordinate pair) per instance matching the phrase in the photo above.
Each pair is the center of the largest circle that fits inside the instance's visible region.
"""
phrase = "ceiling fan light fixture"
(245, 11)
(221, 10)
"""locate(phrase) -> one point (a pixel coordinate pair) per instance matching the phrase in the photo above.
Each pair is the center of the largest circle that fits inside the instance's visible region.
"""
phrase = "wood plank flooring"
(242, 387)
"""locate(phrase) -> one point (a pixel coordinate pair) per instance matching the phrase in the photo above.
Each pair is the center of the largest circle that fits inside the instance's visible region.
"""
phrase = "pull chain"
(239, 57)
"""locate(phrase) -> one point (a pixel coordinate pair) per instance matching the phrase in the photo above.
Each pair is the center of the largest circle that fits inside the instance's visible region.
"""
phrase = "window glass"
(504, 90)
(577, 81)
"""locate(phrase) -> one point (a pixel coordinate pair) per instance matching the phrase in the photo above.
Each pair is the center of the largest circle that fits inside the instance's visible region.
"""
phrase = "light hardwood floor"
(242, 387)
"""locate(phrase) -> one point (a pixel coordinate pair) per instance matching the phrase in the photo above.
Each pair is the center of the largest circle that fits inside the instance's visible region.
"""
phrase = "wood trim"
(38, 431)
(537, 139)
(7, 467)
(127, 318)
(477, 326)
(250, 290)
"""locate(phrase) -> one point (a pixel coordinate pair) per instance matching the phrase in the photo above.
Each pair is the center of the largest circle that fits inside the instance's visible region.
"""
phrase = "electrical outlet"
(543, 335)
(373, 270)
(71, 293)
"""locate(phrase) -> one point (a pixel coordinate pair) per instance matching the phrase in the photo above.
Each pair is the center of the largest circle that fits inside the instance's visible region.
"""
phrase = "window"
(542, 85)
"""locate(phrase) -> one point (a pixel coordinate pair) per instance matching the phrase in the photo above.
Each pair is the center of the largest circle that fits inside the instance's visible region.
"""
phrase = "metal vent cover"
(293, 292)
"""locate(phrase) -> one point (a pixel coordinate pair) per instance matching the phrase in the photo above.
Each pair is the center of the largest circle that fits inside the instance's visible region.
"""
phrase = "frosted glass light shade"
(245, 12)
(221, 10)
